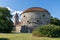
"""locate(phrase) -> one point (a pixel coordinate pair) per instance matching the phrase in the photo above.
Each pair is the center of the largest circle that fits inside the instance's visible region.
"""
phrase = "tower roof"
(32, 9)
(16, 15)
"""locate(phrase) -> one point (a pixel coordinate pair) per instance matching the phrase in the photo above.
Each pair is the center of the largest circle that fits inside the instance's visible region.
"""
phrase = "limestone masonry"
(31, 19)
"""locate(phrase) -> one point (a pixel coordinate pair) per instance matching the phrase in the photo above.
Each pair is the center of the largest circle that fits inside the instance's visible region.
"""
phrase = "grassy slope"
(23, 36)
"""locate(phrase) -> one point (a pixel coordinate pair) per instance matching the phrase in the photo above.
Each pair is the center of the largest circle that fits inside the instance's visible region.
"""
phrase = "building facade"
(32, 18)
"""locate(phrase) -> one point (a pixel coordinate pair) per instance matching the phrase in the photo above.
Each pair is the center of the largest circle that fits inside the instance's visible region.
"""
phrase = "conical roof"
(32, 9)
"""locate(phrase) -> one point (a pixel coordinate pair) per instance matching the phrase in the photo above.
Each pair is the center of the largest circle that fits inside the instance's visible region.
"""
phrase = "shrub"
(47, 31)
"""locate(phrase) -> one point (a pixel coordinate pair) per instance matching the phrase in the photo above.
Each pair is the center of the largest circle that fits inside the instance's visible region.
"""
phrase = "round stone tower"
(33, 17)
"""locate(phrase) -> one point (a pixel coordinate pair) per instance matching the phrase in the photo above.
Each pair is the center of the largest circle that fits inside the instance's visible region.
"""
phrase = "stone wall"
(34, 19)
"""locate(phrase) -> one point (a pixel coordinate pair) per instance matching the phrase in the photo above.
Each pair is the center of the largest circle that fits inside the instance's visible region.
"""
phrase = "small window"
(41, 23)
(37, 20)
(24, 16)
(43, 15)
(27, 21)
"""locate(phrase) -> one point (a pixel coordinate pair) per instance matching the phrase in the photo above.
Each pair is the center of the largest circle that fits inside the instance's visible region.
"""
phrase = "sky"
(53, 6)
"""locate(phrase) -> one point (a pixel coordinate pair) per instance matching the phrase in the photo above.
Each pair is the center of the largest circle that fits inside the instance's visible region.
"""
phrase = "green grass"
(23, 36)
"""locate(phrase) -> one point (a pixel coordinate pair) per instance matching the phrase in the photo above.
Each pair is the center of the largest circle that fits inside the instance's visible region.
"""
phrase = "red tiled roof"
(35, 9)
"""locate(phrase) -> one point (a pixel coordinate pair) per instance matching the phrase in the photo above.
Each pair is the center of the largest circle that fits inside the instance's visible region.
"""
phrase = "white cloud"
(9, 9)
(13, 12)
(1, 6)
(19, 12)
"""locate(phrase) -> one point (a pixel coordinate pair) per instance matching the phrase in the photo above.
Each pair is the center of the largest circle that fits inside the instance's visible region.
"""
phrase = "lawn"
(23, 36)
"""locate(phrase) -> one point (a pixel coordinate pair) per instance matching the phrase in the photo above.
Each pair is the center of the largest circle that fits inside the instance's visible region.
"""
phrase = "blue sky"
(53, 6)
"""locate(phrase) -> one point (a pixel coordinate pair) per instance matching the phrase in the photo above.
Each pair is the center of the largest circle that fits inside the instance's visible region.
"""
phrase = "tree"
(47, 31)
(6, 24)
(55, 21)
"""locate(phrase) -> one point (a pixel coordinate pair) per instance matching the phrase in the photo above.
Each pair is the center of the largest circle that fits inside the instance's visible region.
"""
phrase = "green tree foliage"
(55, 21)
(47, 31)
(6, 24)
